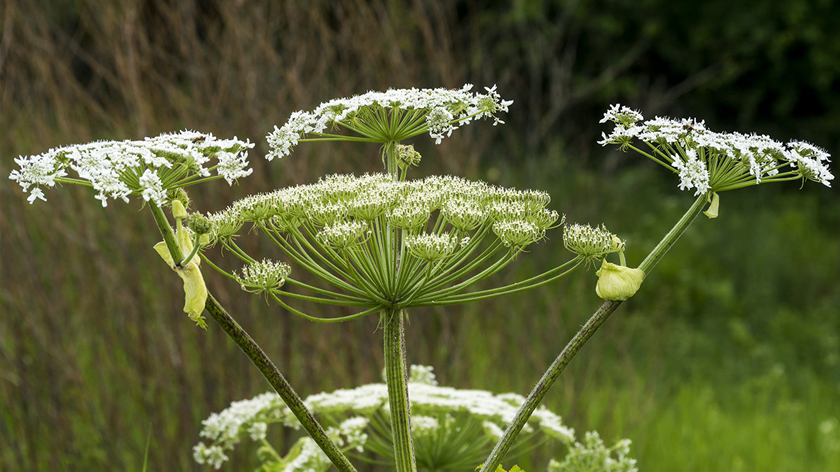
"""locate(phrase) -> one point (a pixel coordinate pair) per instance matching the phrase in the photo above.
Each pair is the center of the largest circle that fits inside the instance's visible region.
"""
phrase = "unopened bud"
(178, 209)
(617, 282)
(199, 224)
(180, 195)
(407, 156)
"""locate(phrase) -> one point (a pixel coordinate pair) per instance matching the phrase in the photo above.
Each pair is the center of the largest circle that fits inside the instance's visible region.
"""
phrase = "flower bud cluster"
(222, 227)
(407, 156)
(343, 235)
(709, 161)
(337, 205)
(436, 111)
(386, 242)
(431, 247)
(263, 276)
(591, 243)
(149, 168)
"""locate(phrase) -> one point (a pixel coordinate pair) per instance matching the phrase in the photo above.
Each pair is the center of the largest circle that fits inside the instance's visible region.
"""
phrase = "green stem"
(396, 372)
(541, 389)
(671, 238)
(259, 358)
(391, 166)
(166, 232)
(396, 376)
(196, 247)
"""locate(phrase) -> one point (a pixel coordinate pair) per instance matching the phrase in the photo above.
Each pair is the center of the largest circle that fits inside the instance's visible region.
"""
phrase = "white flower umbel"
(382, 243)
(454, 429)
(707, 161)
(390, 116)
(118, 169)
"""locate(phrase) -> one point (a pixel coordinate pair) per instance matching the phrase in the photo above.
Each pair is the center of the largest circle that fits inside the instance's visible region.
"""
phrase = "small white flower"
(152, 187)
(35, 193)
(621, 114)
(517, 233)
(693, 173)
(213, 455)
(257, 430)
(440, 123)
(344, 234)
(233, 166)
(423, 425)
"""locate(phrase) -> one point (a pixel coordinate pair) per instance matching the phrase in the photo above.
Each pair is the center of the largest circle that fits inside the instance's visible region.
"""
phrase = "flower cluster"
(394, 115)
(149, 168)
(263, 276)
(431, 247)
(592, 243)
(349, 231)
(351, 415)
(709, 161)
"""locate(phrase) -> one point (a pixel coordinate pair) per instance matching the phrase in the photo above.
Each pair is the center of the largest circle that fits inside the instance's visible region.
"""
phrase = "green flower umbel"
(383, 243)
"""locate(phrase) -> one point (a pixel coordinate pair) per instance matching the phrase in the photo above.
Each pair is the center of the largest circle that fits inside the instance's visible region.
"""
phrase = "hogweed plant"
(383, 244)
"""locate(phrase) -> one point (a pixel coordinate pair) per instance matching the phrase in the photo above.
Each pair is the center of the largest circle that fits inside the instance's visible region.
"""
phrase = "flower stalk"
(396, 369)
(539, 392)
(259, 358)
(396, 377)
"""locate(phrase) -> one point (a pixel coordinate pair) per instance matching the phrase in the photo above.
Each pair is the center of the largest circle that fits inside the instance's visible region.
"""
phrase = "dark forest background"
(728, 359)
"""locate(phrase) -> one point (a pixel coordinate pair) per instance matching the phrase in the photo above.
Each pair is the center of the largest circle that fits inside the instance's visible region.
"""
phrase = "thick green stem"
(396, 376)
(396, 371)
(166, 232)
(607, 308)
(260, 359)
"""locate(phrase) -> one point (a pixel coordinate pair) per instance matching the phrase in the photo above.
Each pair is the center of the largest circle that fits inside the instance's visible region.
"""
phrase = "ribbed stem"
(260, 359)
(396, 376)
(396, 371)
(607, 308)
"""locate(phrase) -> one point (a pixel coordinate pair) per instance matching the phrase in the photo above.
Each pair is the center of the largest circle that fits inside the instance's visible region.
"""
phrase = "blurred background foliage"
(729, 359)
